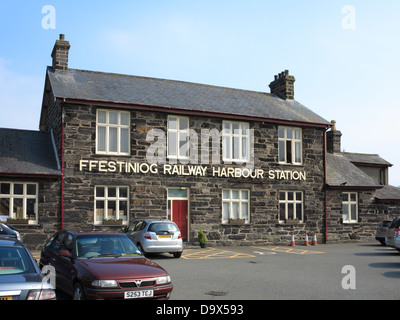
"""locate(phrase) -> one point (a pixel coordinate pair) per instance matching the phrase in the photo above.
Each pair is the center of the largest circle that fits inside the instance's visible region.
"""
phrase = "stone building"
(246, 167)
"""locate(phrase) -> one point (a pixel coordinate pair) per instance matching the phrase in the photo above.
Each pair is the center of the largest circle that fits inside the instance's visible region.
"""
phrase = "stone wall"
(148, 192)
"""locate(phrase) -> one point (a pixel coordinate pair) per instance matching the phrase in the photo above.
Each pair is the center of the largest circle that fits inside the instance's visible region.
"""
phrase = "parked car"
(20, 277)
(102, 265)
(381, 231)
(9, 231)
(156, 236)
(393, 234)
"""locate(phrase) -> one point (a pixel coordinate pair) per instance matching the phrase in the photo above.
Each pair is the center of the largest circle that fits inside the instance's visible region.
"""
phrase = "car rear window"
(386, 224)
(14, 261)
(162, 226)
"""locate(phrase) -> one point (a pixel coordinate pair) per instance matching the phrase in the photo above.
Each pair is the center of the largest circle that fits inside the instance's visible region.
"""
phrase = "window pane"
(235, 128)
(289, 133)
(236, 150)
(281, 151)
(112, 192)
(298, 196)
(245, 128)
(31, 189)
(101, 139)
(297, 134)
(290, 196)
(124, 141)
(177, 193)
(125, 119)
(288, 151)
(353, 196)
(18, 209)
(172, 143)
(5, 188)
(102, 116)
(226, 146)
(112, 206)
(290, 211)
(345, 197)
(123, 210)
(245, 195)
(99, 192)
(4, 207)
(183, 124)
(235, 210)
(244, 148)
(282, 195)
(282, 211)
(297, 152)
(225, 211)
(123, 192)
(299, 211)
(31, 209)
(235, 194)
(244, 210)
(226, 126)
(99, 210)
(183, 144)
(281, 132)
(226, 194)
(172, 123)
(113, 117)
(113, 147)
(18, 189)
(353, 212)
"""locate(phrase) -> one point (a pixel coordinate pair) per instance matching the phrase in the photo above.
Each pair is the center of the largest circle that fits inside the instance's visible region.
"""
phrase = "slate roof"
(367, 159)
(27, 152)
(177, 95)
(342, 173)
(388, 193)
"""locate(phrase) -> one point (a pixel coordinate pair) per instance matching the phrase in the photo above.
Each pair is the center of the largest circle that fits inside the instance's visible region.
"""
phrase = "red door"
(179, 216)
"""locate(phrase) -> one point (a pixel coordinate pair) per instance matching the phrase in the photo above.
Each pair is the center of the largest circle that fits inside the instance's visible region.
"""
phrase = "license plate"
(5, 298)
(164, 237)
(138, 294)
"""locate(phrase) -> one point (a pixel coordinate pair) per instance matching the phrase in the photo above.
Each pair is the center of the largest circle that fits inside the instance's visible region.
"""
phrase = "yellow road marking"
(293, 250)
(213, 253)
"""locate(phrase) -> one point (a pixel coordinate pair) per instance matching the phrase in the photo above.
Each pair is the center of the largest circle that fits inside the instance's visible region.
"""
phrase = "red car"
(102, 265)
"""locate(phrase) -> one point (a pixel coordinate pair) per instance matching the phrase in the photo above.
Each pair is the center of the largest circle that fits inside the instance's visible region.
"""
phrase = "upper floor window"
(19, 201)
(112, 132)
(290, 145)
(178, 137)
(235, 141)
(349, 207)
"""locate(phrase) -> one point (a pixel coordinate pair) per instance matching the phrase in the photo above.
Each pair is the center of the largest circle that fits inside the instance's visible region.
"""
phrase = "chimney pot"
(283, 85)
(60, 53)
(333, 139)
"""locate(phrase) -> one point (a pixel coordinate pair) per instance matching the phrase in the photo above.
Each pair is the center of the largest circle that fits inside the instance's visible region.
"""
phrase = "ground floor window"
(349, 207)
(290, 205)
(111, 204)
(19, 201)
(235, 205)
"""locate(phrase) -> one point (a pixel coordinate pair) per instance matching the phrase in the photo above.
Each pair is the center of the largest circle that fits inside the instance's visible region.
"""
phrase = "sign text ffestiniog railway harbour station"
(104, 166)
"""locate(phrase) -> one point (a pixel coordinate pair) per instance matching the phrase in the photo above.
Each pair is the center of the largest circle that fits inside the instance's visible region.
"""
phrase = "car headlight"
(162, 280)
(104, 283)
(47, 294)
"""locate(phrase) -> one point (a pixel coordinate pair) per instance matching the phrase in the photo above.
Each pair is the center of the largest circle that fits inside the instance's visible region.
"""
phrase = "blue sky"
(347, 75)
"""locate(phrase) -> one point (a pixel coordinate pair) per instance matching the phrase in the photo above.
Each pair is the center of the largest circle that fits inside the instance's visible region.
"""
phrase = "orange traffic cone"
(292, 243)
(306, 240)
(314, 242)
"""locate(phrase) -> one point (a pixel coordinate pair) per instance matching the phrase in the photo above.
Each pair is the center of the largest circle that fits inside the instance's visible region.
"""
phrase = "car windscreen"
(162, 226)
(14, 261)
(96, 246)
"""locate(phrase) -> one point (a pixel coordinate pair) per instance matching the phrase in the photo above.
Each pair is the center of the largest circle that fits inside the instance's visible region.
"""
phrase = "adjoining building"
(245, 167)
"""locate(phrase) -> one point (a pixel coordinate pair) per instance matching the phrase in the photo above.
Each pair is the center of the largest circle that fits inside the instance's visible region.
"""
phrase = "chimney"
(60, 54)
(333, 139)
(283, 85)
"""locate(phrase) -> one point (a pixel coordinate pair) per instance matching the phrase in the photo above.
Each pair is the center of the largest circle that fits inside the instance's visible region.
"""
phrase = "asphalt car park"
(298, 272)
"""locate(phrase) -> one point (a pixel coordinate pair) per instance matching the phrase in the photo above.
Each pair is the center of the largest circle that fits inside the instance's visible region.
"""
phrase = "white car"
(393, 234)
(156, 236)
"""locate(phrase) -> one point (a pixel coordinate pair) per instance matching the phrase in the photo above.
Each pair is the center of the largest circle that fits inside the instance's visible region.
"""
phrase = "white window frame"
(178, 151)
(228, 137)
(230, 201)
(283, 143)
(351, 205)
(108, 126)
(294, 202)
(106, 199)
(25, 197)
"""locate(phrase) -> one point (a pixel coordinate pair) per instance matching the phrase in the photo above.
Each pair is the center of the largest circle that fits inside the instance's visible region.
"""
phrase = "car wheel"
(78, 292)
(141, 249)
(177, 254)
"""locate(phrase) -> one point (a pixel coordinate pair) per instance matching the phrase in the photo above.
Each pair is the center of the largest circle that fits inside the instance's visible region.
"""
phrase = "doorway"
(178, 209)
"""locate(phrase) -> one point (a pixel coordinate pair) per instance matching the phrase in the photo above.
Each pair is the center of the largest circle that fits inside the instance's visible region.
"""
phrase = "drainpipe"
(325, 189)
(62, 168)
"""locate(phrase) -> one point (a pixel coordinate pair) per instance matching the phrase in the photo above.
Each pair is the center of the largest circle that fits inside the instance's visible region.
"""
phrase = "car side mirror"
(124, 229)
